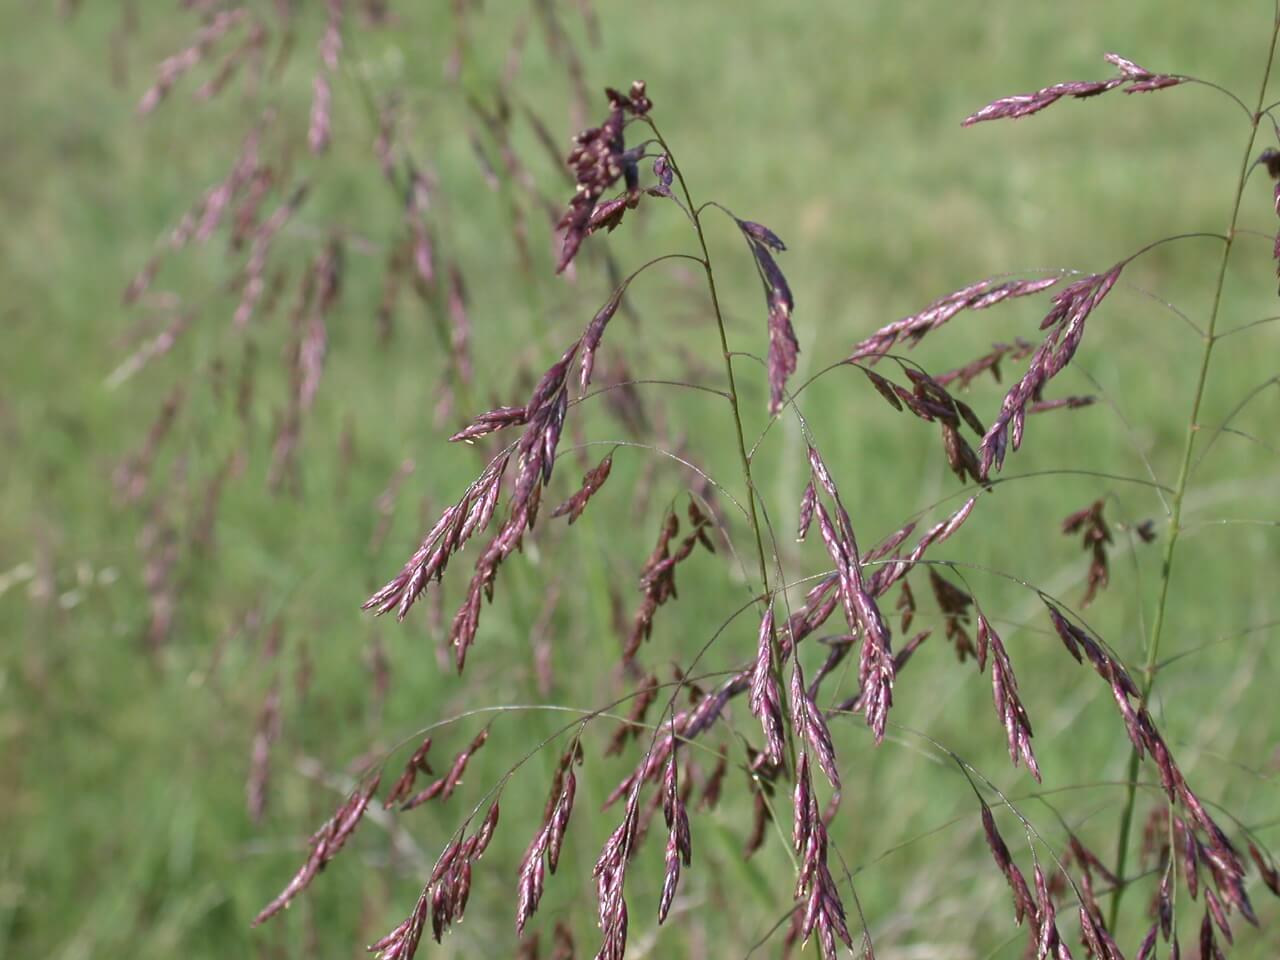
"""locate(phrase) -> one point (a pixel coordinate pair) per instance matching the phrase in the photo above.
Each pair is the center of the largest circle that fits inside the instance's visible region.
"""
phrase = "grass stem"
(1180, 487)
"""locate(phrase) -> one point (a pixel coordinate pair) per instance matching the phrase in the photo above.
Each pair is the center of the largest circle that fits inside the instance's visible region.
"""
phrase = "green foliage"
(123, 768)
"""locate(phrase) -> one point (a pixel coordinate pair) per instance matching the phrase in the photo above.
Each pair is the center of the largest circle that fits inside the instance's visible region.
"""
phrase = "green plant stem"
(1184, 471)
(744, 458)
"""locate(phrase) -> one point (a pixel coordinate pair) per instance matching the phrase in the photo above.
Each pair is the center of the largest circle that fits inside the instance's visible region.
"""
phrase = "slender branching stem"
(744, 458)
(1221, 89)
(1184, 472)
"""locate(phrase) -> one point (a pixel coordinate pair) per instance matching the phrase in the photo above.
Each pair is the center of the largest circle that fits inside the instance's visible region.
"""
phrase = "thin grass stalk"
(744, 459)
(1180, 488)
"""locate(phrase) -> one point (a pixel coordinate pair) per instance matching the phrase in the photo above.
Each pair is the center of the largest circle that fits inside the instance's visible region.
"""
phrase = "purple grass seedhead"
(599, 159)
(1064, 324)
(796, 682)
(1139, 80)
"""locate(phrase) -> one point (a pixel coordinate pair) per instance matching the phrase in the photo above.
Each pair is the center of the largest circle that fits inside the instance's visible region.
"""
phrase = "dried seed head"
(955, 605)
(325, 844)
(907, 605)
(532, 880)
(449, 534)
(988, 363)
(766, 695)
(416, 764)
(598, 160)
(1270, 875)
(610, 874)
(821, 909)
(657, 577)
(1065, 323)
(807, 503)
(1139, 80)
(402, 942)
(592, 481)
(912, 329)
(172, 69)
(713, 784)
(444, 787)
(784, 348)
(810, 723)
(1004, 688)
(594, 334)
(876, 668)
(679, 843)
(1097, 538)
(884, 387)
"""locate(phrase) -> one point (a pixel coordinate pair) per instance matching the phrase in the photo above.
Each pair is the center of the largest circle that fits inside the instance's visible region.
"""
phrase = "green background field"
(123, 826)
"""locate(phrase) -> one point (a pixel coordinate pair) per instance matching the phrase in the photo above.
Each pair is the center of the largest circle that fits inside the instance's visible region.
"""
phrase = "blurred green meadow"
(124, 826)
